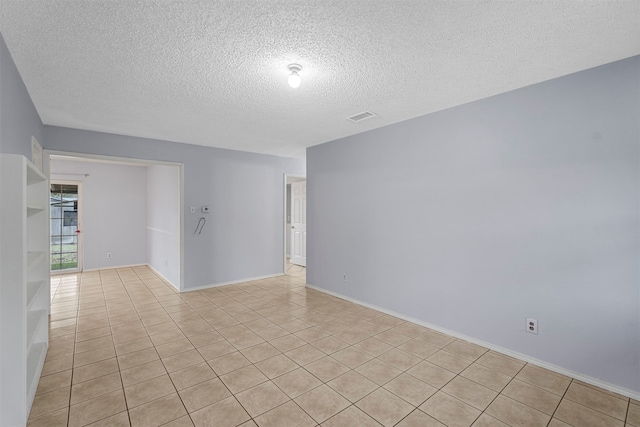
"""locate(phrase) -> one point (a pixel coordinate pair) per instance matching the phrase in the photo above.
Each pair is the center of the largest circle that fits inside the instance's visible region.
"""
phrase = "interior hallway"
(127, 349)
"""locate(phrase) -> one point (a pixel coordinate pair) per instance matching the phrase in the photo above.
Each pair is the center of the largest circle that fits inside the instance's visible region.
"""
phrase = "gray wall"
(163, 221)
(521, 205)
(243, 235)
(19, 119)
(113, 210)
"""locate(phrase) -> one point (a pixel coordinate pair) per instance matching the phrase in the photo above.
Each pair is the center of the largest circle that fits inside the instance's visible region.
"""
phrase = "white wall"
(114, 211)
(163, 221)
(526, 204)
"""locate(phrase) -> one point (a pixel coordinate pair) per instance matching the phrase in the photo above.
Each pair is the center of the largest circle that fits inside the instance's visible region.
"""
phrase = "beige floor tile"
(486, 377)
(149, 390)
(400, 359)
(469, 392)
(633, 415)
(322, 403)
(330, 345)
(385, 407)
(93, 344)
(228, 363)
(410, 389)
(137, 358)
(297, 382)
(435, 339)
(578, 415)
(97, 409)
(142, 373)
(352, 386)
(466, 350)
(305, 354)
(157, 412)
(373, 346)
(184, 421)
(50, 402)
(216, 350)
(449, 361)
(95, 370)
(449, 410)
(225, 413)
(134, 345)
(431, 374)
(535, 397)
(54, 381)
(276, 366)
(192, 375)
(352, 357)
(545, 379)
(350, 336)
(243, 378)
(557, 423)
(311, 335)
(117, 420)
(272, 333)
(204, 339)
(503, 364)
(60, 364)
(261, 398)
(419, 419)
(175, 347)
(515, 413)
(485, 420)
(287, 343)
(245, 341)
(286, 415)
(96, 387)
(204, 394)
(93, 356)
(167, 337)
(352, 416)
(597, 400)
(378, 371)
(260, 352)
(326, 369)
(57, 418)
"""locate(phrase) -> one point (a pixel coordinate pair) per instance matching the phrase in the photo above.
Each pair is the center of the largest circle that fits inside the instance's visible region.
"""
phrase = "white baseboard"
(523, 357)
(111, 267)
(233, 282)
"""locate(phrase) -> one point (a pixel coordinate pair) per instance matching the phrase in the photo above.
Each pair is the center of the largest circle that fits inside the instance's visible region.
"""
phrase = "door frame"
(80, 266)
(46, 170)
(288, 179)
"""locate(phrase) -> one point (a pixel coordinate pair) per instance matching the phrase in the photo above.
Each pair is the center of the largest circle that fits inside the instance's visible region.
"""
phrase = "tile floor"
(126, 349)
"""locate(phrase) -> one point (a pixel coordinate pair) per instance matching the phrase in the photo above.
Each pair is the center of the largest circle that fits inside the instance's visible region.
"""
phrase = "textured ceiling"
(215, 72)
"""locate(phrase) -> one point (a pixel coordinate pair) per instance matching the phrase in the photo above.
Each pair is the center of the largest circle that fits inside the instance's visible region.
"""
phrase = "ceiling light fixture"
(294, 77)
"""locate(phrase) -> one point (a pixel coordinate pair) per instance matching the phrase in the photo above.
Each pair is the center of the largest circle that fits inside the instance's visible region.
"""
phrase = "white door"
(299, 223)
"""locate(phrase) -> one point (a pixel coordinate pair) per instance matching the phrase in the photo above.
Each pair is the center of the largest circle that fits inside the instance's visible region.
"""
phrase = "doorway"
(295, 221)
(65, 219)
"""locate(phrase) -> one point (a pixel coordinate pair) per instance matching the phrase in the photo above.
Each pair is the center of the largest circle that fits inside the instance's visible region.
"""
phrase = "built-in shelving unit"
(24, 285)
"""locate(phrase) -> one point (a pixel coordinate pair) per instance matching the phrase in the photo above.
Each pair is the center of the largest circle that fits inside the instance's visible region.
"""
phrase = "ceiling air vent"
(361, 116)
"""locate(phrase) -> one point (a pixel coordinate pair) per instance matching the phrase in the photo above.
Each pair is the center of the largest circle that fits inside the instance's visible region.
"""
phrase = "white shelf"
(33, 290)
(35, 362)
(35, 321)
(33, 258)
(32, 210)
(33, 175)
(24, 285)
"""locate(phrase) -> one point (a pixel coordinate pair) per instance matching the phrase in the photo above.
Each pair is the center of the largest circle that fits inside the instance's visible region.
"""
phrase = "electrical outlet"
(532, 326)
(108, 254)
(193, 209)
(205, 209)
